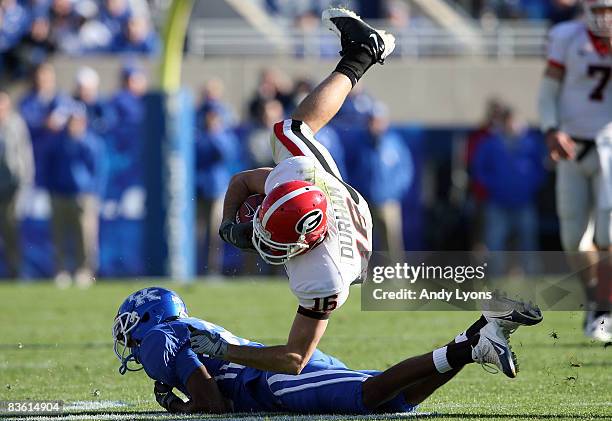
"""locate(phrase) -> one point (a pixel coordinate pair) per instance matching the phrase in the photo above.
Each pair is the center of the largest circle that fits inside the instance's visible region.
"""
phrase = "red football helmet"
(291, 220)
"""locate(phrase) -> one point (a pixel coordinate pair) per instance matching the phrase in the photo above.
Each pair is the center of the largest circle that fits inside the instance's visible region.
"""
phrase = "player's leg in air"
(362, 47)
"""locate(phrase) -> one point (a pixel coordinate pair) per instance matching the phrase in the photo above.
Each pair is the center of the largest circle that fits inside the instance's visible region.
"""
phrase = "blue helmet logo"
(144, 295)
(137, 315)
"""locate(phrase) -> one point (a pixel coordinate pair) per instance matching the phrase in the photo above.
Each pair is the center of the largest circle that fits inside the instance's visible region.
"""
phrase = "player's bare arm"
(560, 144)
(305, 334)
(241, 186)
(205, 396)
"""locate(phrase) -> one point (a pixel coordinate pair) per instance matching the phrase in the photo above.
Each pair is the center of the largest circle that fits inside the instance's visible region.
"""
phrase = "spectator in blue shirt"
(212, 95)
(65, 23)
(44, 110)
(137, 37)
(38, 7)
(73, 173)
(14, 24)
(100, 115)
(114, 14)
(383, 172)
(36, 46)
(217, 156)
(125, 139)
(509, 163)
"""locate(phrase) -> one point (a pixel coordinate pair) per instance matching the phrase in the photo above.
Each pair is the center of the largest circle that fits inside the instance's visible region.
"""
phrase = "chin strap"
(124, 364)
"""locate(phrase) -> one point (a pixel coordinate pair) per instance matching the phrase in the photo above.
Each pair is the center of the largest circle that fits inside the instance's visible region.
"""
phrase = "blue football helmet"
(139, 313)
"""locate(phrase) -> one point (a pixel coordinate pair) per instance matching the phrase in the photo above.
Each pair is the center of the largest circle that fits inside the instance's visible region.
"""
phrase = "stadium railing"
(504, 40)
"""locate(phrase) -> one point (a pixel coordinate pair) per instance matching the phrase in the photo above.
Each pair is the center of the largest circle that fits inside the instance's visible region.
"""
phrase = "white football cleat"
(355, 33)
(600, 328)
(493, 349)
(510, 314)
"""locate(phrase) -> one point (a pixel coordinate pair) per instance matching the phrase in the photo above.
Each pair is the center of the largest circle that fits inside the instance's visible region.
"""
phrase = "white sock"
(462, 337)
(440, 361)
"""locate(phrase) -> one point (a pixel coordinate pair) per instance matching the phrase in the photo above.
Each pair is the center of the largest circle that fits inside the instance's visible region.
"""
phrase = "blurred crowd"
(552, 10)
(83, 150)
(401, 14)
(59, 143)
(31, 30)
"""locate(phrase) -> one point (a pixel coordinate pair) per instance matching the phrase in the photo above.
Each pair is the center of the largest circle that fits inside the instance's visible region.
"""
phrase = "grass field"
(57, 345)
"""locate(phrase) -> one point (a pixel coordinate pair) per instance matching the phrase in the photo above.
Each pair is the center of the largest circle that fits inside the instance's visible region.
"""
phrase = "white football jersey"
(321, 277)
(585, 107)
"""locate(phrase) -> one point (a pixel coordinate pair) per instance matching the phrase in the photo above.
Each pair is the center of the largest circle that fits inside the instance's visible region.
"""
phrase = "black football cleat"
(355, 33)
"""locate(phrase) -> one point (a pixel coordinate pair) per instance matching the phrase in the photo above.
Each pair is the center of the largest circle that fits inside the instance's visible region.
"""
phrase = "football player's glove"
(209, 343)
(238, 235)
(164, 396)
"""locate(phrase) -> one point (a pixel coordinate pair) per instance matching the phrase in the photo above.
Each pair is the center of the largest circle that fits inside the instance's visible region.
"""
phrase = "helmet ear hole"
(145, 317)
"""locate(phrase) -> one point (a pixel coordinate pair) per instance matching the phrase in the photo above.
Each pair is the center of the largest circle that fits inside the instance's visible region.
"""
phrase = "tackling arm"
(291, 358)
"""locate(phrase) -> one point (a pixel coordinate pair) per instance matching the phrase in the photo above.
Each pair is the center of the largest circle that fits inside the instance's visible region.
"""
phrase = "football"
(248, 208)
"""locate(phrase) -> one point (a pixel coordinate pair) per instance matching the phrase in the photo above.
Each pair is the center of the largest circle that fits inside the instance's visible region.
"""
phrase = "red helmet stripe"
(284, 199)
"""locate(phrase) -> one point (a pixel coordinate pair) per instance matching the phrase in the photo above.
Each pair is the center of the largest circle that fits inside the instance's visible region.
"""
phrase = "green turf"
(57, 345)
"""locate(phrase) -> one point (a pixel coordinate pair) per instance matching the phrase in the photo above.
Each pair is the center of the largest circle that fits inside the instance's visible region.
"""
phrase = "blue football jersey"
(166, 356)
(326, 385)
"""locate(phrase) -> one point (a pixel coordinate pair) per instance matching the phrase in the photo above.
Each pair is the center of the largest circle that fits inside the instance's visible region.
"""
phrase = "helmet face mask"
(137, 315)
(290, 221)
(123, 325)
(273, 252)
(599, 17)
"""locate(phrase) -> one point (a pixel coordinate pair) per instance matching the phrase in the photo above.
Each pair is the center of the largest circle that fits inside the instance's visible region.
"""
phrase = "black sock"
(476, 326)
(355, 63)
(460, 354)
(470, 331)
(454, 355)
